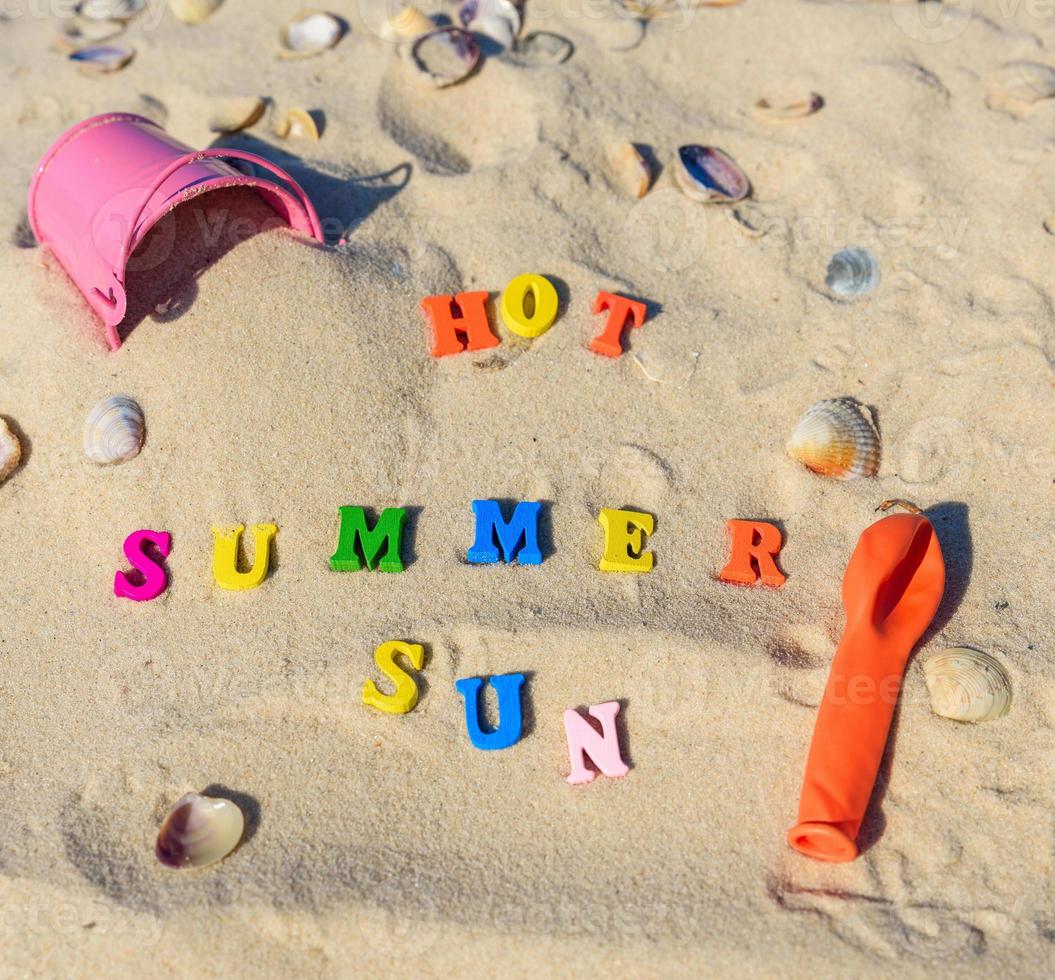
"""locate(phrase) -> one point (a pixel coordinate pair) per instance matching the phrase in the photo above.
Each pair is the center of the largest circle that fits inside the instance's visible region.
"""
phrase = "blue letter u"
(510, 718)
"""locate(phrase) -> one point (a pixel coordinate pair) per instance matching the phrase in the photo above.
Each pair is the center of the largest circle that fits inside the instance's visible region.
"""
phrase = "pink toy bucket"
(107, 181)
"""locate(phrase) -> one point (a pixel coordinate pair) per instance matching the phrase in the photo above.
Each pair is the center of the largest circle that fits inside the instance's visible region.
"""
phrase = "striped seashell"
(967, 685)
(836, 438)
(114, 431)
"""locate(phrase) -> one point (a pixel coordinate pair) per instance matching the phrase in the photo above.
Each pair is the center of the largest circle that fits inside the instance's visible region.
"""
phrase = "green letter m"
(385, 536)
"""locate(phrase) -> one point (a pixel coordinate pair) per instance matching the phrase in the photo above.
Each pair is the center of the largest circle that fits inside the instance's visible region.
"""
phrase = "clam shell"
(237, 114)
(630, 169)
(1016, 86)
(408, 24)
(199, 830)
(540, 49)
(852, 272)
(102, 60)
(786, 105)
(114, 431)
(194, 11)
(111, 9)
(705, 173)
(496, 19)
(10, 451)
(78, 32)
(967, 685)
(445, 56)
(297, 124)
(836, 438)
(310, 33)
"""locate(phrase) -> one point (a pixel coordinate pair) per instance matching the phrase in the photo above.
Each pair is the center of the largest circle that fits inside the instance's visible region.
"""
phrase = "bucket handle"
(218, 153)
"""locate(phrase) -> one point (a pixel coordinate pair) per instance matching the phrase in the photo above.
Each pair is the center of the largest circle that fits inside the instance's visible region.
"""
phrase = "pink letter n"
(584, 740)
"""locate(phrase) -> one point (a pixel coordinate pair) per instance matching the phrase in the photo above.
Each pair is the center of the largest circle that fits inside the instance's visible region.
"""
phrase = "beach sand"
(286, 380)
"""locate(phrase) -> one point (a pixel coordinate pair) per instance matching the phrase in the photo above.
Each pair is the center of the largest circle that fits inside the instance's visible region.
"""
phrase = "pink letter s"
(154, 578)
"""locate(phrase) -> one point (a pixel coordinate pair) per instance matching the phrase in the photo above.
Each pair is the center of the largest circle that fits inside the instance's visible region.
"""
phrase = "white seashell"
(310, 33)
(445, 56)
(630, 169)
(967, 685)
(199, 830)
(852, 272)
(237, 114)
(111, 9)
(1016, 86)
(835, 438)
(496, 19)
(408, 24)
(297, 124)
(540, 49)
(194, 11)
(114, 431)
(707, 174)
(78, 32)
(10, 451)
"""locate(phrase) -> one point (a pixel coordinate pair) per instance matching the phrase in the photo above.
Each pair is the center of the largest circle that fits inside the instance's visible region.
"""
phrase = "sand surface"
(287, 380)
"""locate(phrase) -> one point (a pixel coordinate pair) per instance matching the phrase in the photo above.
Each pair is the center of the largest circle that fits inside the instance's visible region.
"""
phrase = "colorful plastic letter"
(514, 308)
(584, 740)
(522, 527)
(386, 535)
(624, 532)
(620, 310)
(406, 695)
(151, 570)
(225, 556)
(755, 545)
(510, 717)
(454, 317)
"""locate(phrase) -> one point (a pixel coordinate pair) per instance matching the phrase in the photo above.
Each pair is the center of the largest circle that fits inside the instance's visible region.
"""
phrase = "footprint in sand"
(802, 655)
(635, 477)
(453, 131)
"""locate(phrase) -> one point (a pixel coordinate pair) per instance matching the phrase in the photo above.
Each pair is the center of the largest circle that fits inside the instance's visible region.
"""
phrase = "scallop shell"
(1016, 86)
(408, 24)
(10, 451)
(199, 830)
(967, 685)
(297, 124)
(852, 272)
(237, 114)
(194, 11)
(111, 9)
(445, 56)
(496, 19)
(787, 106)
(102, 60)
(114, 430)
(540, 49)
(630, 168)
(310, 33)
(705, 173)
(836, 438)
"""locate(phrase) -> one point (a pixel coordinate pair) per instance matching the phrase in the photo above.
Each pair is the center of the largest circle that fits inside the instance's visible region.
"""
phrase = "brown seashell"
(781, 106)
(629, 168)
(835, 438)
(408, 24)
(194, 11)
(199, 831)
(297, 124)
(10, 451)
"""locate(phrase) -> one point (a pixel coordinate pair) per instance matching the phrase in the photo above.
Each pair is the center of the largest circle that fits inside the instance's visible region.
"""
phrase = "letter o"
(513, 300)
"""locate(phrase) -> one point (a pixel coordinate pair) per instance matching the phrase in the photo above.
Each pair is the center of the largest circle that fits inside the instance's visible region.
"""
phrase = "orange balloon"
(891, 591)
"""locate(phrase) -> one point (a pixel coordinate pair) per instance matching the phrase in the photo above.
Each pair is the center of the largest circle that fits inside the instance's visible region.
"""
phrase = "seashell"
(705, 173)
(199, 830)
(297, 124)
(445, 56)
(237, 114)
(496, 19)
(835, 438)
(852, 272)
(111, 9)
(408, 24)
(102, 60)
(10, 451)
(540, 49)
(780, 106)
(1016, 86)
(194, 11)
(114, 430)
(310, 33)
(78, 32)
(629, 168)
(967, 685)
